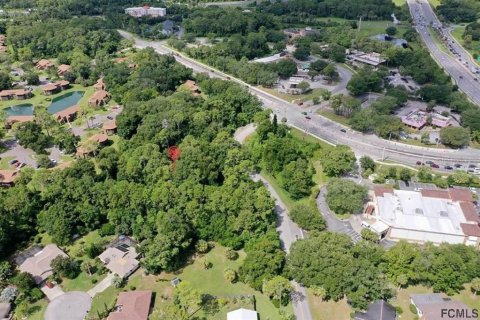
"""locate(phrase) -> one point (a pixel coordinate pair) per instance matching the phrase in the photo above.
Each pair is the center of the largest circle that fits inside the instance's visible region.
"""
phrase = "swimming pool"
(65, 101)
(25, 109)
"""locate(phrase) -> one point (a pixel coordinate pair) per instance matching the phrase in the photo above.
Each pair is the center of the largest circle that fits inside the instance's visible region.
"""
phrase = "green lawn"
(435, 3)
(403, 299)
(371, 28)
(209, 281)
(400, 3)
(82, 283)
(328, 310)
(334, 117)
(290, 97)
(37, 310)
(457, 33)
(4, 165)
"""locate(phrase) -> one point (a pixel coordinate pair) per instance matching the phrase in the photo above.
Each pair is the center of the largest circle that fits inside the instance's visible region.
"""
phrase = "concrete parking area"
(416, 186)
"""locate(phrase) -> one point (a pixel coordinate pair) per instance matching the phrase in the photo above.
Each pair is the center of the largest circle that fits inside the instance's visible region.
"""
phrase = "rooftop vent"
(443, 214)
(419, 211)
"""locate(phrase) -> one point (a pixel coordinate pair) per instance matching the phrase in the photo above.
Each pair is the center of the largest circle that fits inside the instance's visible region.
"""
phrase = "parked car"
(13, 161)
(448, 167)
(429, 162)
(434, 165)
(457, 165)
(109, 117)
(304, 113)
(420, 163)
(343, 130)
(308, 118)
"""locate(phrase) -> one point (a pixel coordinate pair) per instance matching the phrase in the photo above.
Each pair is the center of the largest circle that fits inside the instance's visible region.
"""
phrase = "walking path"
(101, 286)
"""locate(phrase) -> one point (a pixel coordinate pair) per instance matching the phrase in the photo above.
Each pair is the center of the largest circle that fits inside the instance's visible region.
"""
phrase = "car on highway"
(457, 165)
(448, 167)
(429, 162)
(420, 163)
(434, 165)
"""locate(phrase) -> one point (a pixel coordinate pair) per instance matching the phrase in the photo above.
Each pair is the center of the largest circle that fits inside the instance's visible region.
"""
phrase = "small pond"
(25, 109)
(65, 101)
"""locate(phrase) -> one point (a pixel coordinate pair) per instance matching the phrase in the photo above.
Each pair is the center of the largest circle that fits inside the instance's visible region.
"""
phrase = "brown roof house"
(99, 98)
(11, 120)
(50, 89)
(8, 177)
(44, 64)
(20, 94)
(100, 138)
(68, 114)
(120, 259)
(62, 69)
(63, 84)
(132, 305)
(434, 306)
(110, 127)
(38, 265)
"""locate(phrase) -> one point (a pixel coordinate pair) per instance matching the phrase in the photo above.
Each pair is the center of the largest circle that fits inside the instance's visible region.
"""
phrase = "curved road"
(323, 128)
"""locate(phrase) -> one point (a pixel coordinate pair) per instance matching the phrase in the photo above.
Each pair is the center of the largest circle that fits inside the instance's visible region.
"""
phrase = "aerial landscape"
(239, 160)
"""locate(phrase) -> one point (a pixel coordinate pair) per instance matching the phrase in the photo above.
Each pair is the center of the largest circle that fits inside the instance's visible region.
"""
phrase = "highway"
(325, 129)
(455, 61)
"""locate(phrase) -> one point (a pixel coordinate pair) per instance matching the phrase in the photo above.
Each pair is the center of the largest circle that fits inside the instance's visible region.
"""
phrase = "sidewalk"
(101, 286)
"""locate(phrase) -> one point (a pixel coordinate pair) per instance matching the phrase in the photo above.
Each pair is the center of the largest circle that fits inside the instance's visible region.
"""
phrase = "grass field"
(209, 281)
(291, 98)
(370, 28)
(37, 310)
(334, 117)
(328, 310)
(457, 33)
(435, 3)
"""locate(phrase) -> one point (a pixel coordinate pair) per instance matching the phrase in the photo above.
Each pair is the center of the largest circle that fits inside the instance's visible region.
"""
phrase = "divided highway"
(458, 66)
(325, 129)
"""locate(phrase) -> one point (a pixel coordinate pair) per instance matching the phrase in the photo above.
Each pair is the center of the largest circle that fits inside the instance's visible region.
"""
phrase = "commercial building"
(427, 215)
(372, 58)
(417, 119)
(146, 11)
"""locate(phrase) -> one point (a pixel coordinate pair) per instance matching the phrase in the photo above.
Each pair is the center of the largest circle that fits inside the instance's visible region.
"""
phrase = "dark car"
(429, 162)
(343, 130)
(304, 113)
(420, 163)
(448, 167)
(457, 165)
(434, 165)
(308, 118)
(109, 117)
(15, 161)
(472, 166)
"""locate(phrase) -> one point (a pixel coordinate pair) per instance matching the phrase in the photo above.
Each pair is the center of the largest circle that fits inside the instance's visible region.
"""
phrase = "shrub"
(202, 246)
(412, 308)
(35, 295)
(230, 275)
(106, 230)
(231, 254)
(94, 280)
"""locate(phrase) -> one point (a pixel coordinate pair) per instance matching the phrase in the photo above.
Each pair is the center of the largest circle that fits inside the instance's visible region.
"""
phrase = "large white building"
(428, 215)
(146, 11)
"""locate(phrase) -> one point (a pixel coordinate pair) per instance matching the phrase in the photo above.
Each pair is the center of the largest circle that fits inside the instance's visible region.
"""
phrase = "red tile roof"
(132, 305)
(460, 195)
(381, 190)
(8, 176)
(469, 211)
(50, 87)
(441, 194)
(470, 229)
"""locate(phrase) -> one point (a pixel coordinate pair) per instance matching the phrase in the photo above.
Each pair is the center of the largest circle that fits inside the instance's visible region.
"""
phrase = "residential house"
(132, 305)
(20, 94)
(62, 69)
(63, 84)
(99, 98)
(11, 120)
(38, 265)
(121, 258)
(110, 127)
(68, 114)
(44, 64)
(378, 310)
(8, 177)
(242, 314)
(434, 306)
(50, 88)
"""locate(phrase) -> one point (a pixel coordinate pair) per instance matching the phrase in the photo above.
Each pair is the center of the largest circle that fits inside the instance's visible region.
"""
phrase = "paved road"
(454, 65)
(333, 223)
(324, 128)
(289, 232)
